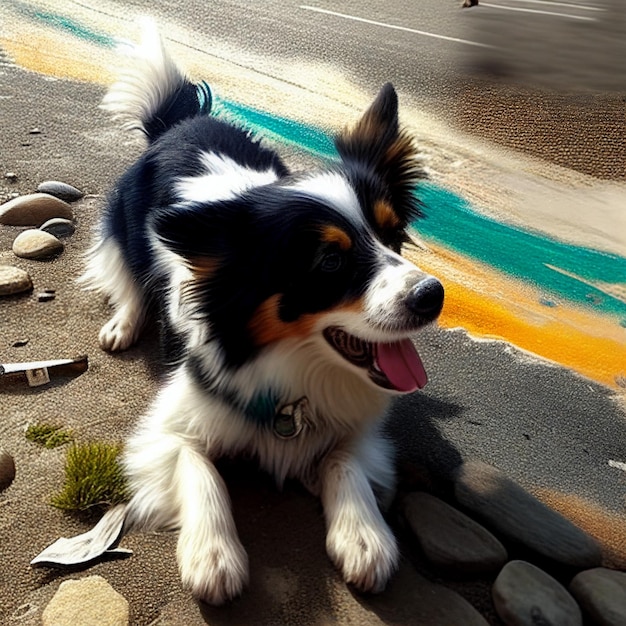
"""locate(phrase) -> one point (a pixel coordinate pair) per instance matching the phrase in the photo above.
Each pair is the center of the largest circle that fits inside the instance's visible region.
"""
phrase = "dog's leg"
(358, 539)
(107, 273)
(213, 564)
(176, 485)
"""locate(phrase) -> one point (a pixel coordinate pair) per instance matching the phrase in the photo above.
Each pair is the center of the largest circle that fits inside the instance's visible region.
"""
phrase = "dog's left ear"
(377, 144)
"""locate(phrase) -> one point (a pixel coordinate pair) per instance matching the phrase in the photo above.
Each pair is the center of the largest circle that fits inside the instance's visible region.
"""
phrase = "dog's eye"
(331, 262)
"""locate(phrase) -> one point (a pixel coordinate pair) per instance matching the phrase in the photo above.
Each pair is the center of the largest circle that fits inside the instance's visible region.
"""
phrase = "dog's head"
(315, 257)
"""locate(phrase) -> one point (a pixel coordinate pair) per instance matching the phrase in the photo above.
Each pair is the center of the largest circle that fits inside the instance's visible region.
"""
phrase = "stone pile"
(49, 215)
(577, 590)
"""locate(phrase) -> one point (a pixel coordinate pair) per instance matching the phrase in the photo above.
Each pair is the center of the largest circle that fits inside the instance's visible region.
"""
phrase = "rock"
(36, 244)
(59, 227)
(507, 508)
(11, 176)
(60, 190)
(33, 210)
(450, 540)
(602, 595)
(89, 601)
(524, 595)
(14, 280)
(7, 469)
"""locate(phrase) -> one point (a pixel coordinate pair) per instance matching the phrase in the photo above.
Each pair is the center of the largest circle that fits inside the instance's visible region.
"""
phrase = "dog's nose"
(426, 298)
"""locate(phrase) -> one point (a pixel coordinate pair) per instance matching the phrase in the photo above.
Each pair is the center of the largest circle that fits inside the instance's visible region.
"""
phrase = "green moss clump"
(93, 478)
(48, 435)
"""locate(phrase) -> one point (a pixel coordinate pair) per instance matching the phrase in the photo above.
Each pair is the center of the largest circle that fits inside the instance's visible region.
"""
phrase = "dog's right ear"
(377, 145)
(373, 135)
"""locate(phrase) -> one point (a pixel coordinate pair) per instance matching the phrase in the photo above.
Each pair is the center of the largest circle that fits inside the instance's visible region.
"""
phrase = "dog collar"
(285, 420)
(290, 419)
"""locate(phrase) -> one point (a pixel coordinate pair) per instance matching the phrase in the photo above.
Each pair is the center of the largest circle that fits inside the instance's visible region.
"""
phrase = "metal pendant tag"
(290, 419)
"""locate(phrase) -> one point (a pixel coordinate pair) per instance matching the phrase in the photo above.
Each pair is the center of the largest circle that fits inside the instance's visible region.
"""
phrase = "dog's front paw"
(119, 333)
(213, 573)
(365, 554)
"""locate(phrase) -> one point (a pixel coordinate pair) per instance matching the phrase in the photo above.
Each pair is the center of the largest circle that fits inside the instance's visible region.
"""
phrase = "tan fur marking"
(266, 327)
(385, 216)
(334, 234)
(203, 267)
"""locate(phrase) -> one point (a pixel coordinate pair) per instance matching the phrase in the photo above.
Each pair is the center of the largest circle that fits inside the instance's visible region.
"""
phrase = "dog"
(286, 312)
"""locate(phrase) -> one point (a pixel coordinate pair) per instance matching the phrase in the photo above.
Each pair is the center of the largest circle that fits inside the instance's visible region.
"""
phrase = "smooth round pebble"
(601, 593)
(60, 190)
(7, 469)
(59, 227)
(14, 280)
(33, 210)
(524, 595)
(36, 244)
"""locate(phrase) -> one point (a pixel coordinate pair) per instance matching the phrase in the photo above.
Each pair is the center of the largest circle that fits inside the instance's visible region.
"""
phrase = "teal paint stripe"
(520, 253)
(66, 24)
(303, 136)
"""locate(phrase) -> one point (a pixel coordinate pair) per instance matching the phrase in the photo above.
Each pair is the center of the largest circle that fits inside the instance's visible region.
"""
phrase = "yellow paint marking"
(490, 305)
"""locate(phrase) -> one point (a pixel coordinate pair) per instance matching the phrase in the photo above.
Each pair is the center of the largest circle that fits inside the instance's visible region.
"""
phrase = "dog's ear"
(377, 144)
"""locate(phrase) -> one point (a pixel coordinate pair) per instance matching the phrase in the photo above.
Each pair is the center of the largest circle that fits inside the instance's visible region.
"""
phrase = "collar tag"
(290, 418)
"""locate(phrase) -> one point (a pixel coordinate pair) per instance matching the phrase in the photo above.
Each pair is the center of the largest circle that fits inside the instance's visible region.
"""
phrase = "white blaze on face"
(384, 305)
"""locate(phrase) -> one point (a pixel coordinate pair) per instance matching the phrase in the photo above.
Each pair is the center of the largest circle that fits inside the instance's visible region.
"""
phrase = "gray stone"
(14, 280)
(524, 595)
(602, 595)
(60, 190)
(59, 227)
(511, 511)
(7, 469)
(33, 210)
(89, 601)
(36, 244)
(450, 539)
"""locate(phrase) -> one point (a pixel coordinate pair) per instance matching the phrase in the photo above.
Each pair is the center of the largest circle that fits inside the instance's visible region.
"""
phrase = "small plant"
(48, 435)
(93, 478)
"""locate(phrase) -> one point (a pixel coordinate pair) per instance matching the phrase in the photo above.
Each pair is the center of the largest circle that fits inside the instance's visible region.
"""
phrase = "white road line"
(394, 27)
(617, 465)
(559, 4)
(572, 17)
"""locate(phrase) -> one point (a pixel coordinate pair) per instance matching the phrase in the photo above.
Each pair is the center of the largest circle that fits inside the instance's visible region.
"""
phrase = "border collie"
(287, 313)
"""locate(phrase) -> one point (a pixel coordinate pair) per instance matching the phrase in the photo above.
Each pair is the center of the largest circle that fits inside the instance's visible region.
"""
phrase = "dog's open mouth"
(395, 365)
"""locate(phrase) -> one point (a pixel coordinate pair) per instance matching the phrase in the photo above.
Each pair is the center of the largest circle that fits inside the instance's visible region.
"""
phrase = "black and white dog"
(287, 306)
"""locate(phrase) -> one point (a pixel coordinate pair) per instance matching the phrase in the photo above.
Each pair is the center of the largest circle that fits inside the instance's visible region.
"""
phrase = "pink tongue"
(402, 365)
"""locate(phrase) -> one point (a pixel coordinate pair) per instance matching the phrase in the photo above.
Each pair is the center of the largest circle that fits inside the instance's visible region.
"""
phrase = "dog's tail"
(153, 94)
